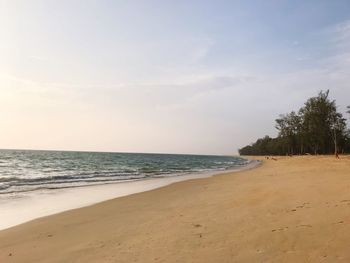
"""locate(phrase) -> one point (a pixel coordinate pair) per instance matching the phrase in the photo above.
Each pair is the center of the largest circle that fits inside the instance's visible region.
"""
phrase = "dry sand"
(292, 210)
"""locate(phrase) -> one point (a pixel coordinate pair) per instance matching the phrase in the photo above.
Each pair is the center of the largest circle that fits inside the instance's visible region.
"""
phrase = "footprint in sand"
(346, 201)
(279, 229)
(304, 205)
(196, 226)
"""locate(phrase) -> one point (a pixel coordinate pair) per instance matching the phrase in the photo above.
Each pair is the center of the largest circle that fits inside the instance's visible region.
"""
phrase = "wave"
(23, 171)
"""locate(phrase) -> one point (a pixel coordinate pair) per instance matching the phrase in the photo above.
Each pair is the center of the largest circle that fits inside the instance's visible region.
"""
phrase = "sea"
(27, 170)
(35, 184)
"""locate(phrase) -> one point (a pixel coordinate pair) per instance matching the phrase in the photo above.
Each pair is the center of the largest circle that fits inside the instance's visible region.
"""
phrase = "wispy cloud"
(341, 34)
(201, 49)
(38, 58)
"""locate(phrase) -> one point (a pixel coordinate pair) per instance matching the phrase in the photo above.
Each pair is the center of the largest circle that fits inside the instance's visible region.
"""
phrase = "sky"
(204, 77)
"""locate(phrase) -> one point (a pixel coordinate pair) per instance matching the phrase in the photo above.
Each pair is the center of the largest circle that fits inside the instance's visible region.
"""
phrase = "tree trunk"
(335, 145)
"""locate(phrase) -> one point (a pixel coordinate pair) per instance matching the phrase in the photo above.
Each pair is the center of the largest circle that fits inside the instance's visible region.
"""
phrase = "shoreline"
(295, 209)
(38, 204)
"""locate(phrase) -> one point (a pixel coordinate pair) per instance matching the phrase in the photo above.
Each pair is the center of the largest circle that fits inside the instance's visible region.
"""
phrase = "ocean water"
(23, 171)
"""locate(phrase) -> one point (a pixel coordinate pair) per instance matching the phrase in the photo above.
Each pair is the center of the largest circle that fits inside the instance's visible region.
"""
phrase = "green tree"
(289, 127)
(338, 127)
(317, 128)
(322, 123)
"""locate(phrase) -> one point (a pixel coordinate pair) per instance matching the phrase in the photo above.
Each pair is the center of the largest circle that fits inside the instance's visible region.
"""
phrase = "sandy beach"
(295, 209)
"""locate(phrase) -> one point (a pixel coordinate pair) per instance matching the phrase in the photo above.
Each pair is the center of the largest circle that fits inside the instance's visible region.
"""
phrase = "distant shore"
(293, 209)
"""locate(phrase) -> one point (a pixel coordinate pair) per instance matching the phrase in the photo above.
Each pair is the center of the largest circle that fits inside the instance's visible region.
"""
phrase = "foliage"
(317, 128)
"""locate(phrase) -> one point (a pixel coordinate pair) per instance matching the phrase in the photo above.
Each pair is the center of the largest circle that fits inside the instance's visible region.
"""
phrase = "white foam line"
(15, 211)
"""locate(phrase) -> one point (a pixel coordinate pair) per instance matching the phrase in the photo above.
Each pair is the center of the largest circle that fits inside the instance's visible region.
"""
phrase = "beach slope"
(295, 209)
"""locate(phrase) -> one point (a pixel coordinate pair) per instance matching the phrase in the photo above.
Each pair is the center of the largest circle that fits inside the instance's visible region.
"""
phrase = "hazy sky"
(164, 76)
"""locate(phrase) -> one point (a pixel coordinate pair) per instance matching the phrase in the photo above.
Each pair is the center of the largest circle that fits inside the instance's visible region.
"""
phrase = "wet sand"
(295, 209)
(18, 209)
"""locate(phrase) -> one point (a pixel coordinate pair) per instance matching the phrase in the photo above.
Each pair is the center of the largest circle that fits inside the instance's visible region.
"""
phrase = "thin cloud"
(201, 50)
(38, 58)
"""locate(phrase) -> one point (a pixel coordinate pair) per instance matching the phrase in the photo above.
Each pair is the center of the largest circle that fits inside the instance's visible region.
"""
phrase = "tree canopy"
(316, 128)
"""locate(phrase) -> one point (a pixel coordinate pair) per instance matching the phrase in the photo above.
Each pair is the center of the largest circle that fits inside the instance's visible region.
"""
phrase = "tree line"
(317, 128)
